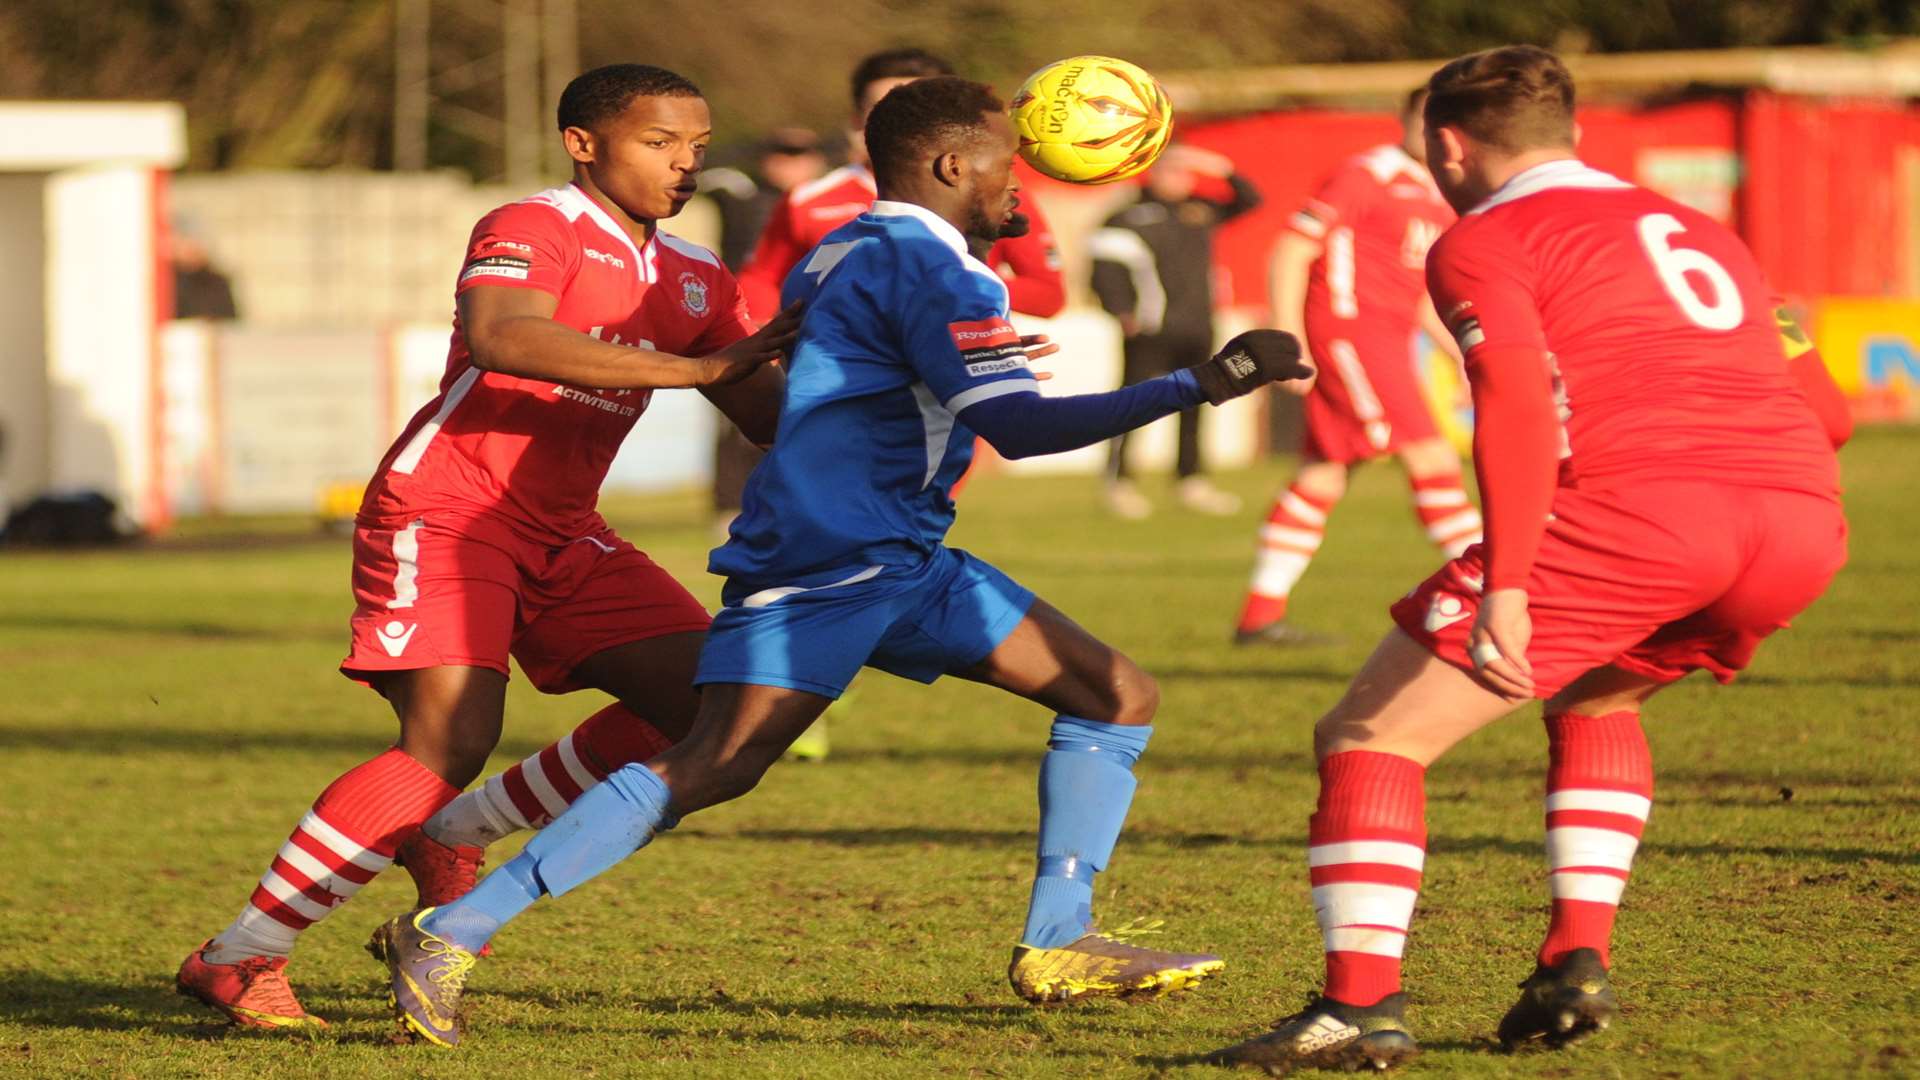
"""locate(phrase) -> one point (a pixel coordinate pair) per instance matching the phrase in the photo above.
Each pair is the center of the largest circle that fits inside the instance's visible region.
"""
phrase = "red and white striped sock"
(348, 837)
(1367, 846)
(1599, 790)
(1293, 532)
(1452, 523)
(539, 789)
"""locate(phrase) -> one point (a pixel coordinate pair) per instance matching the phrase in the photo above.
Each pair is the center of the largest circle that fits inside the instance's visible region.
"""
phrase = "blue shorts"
(917, 622)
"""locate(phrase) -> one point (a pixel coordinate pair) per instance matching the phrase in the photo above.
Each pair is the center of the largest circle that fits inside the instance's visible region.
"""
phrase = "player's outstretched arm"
(1024, 424)
(753, 403)
(512, 331)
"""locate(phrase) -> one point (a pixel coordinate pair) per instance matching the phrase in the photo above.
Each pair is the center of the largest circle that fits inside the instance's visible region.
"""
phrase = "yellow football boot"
(1104, 964)
(428, 975)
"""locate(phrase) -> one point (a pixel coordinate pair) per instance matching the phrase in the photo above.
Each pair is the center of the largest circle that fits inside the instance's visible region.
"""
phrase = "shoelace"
(455, 963)
(1136, 928)
(264, 979)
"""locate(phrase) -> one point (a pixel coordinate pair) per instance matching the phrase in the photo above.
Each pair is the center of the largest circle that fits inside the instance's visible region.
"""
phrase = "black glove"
(1249, 362)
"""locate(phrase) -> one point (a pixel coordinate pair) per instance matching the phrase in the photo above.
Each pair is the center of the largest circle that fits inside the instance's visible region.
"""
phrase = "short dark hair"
(906, 63)
(1519, 97)
(1416, 100)
(919, 118)
(599, 95)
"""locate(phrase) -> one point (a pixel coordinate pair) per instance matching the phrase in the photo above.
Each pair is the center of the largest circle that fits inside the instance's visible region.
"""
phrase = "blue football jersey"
(903, 329)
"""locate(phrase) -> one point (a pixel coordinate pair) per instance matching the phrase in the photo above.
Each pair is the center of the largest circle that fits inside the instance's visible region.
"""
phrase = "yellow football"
(1091, 119)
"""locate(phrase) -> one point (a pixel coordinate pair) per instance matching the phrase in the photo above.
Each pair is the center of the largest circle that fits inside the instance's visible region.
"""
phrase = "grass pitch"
(168, 713)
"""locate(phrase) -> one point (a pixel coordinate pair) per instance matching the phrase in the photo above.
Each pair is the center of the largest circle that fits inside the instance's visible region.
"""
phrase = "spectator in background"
(785, 159)
(1153, 270)
(788, 157)
(200, 290)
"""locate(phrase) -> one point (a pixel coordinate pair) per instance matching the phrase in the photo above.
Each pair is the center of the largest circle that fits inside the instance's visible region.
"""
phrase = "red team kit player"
(1349, 279)
(1661, 495)
(1025, 256)
(479, 538)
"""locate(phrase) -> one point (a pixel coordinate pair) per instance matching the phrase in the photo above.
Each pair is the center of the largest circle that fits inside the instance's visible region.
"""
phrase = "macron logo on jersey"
(602, 257)
(988, 346)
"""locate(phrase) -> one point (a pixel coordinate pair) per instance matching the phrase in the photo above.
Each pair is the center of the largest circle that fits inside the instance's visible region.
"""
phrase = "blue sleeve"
(1025, 424)
(953, 322)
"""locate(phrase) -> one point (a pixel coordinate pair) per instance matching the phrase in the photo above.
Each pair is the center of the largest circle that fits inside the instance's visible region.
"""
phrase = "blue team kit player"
(837, 562)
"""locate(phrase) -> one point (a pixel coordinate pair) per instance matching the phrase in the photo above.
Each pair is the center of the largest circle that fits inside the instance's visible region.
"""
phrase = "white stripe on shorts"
(773, 596)
(406, 557)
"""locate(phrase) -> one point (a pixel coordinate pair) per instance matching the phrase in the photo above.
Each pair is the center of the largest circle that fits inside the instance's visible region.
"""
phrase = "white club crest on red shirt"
(693, 294)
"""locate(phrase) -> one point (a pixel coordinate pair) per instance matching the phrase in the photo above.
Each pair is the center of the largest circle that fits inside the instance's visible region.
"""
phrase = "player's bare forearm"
(512, 331)
(1516, 444)
(537, 348)
(1292, 262)
(753, 403)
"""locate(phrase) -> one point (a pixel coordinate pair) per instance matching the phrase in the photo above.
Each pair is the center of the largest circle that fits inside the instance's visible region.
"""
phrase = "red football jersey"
(1030, 264)
(535, 452)
(1375, 217)
(1656, 323)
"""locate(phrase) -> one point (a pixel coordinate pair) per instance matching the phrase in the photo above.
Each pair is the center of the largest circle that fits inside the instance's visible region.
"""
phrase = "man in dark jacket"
(1153, 270)
(200, 289)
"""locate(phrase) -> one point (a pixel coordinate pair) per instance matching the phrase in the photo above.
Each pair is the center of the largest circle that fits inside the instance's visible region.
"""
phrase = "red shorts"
(1668, 579)
(1368, 400)
(466, 590)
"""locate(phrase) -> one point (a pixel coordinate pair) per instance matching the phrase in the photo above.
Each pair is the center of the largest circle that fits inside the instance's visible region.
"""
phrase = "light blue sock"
(1086, 785)
(611, 821)
(471, 921)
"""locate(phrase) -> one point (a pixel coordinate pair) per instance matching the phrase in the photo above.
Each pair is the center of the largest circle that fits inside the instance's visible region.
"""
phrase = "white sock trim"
(542, 788)
(570, 760)
(1572, 846)
(1346, 903)
(1597, 888)
(254, 933)
(1364, 939)
(1386, 852)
